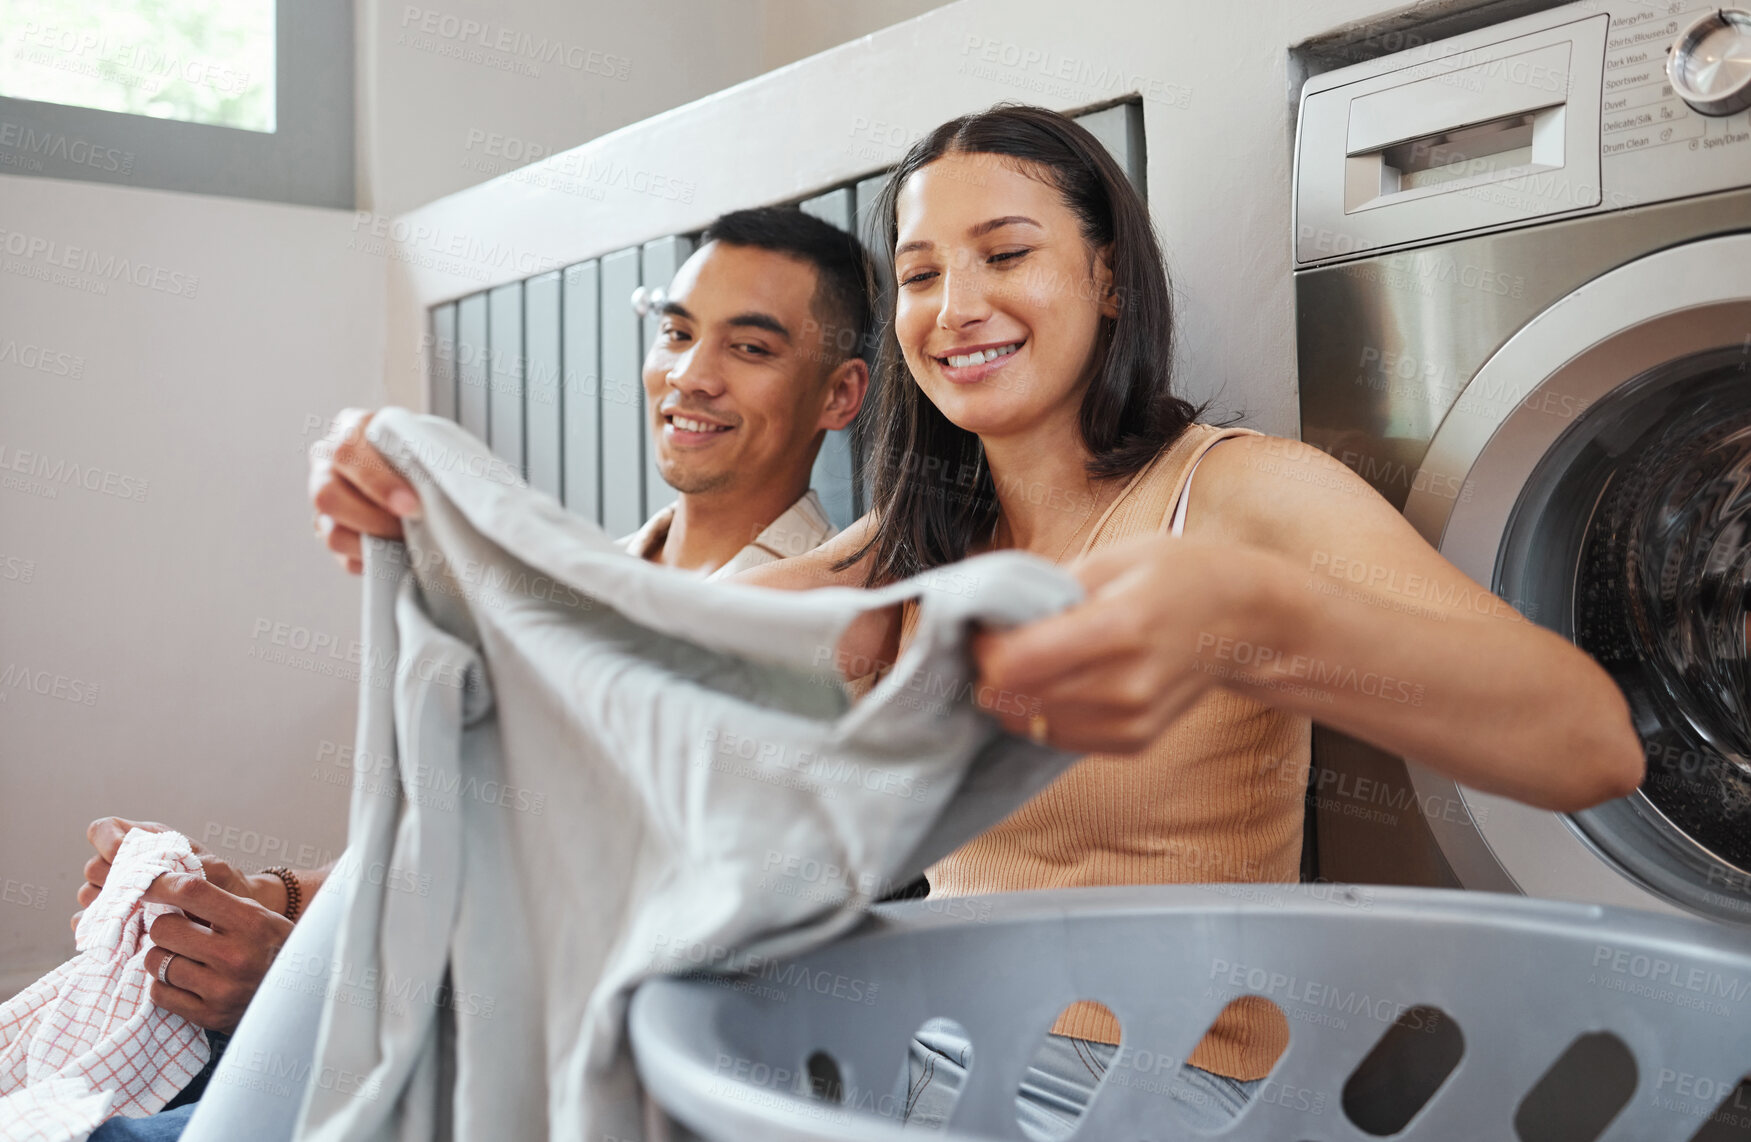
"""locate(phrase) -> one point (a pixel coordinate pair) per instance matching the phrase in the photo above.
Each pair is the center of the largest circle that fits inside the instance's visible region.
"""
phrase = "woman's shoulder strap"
(1146, 506)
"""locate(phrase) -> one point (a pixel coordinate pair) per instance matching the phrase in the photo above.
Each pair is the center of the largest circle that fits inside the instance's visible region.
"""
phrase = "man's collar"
(803, 527)
(656, 529)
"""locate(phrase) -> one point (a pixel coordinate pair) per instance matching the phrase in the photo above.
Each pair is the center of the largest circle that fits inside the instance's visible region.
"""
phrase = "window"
(201, 61)
(246, 98)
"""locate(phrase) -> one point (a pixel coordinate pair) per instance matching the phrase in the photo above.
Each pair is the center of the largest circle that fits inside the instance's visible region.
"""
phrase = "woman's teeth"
(686, 425)
(962, 360)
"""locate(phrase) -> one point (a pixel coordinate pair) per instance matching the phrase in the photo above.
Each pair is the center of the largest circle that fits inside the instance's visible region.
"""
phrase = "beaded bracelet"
(294, 895)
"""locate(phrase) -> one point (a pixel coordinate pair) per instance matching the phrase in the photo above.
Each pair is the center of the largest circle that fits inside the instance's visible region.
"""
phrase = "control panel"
(1673, 77)
(1588, 107)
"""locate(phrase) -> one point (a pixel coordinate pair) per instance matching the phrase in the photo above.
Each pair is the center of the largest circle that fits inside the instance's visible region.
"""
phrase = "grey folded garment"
(575, 769)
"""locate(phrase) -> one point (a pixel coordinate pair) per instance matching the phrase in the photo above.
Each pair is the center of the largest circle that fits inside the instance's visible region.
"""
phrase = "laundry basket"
(1444, 1015)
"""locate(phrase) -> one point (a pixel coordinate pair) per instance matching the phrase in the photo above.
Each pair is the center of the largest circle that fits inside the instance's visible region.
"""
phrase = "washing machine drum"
(1633, 537)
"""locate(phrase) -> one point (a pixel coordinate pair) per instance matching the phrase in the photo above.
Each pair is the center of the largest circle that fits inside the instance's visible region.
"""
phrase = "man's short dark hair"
(842, 269)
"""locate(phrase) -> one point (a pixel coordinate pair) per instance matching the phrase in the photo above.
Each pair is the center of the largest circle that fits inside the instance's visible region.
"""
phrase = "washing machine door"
(1602, 459)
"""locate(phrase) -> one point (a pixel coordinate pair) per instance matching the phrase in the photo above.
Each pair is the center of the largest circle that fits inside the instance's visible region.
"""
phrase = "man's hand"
(223, 943)
(234, 927)
(105, 835)
(355, 491)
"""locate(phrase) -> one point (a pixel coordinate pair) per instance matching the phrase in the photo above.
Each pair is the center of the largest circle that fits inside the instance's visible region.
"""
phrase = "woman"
(1026, 404)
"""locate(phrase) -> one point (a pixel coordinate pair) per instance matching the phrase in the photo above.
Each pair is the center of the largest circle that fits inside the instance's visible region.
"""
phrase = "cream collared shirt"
(803, 527)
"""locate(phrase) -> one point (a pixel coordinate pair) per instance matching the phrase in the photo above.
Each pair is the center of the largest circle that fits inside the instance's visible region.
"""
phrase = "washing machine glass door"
(1603, 461)
(1633, 538)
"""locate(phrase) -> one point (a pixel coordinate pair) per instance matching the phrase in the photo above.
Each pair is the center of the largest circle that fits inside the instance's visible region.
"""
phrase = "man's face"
(737, 379)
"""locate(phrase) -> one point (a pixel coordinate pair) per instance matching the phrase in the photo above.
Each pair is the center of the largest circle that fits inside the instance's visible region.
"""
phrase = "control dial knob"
(1710, 64)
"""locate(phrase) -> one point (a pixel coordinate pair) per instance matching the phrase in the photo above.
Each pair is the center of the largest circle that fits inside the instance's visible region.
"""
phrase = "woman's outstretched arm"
(1298, 584)
(872, 641)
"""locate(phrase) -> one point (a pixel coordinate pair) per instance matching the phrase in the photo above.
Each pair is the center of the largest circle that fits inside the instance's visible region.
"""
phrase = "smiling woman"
(1027, 404)
(1068, 263)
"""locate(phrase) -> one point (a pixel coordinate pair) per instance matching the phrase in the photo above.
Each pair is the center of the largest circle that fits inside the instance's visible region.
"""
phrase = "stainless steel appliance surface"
(1523, 288)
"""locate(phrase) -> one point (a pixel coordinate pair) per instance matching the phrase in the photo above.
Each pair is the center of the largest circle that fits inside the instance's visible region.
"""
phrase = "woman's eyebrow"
(985, 228)
(978, 231)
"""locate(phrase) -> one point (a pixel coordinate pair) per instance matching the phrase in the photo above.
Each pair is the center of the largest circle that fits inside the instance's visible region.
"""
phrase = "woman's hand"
(1112, 673)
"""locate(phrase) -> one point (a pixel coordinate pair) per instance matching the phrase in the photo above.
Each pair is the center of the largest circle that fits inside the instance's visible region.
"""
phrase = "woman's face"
(999, 296)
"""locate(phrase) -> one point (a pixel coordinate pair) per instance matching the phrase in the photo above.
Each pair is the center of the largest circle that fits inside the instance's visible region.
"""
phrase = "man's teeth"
(961, 361)
(686, 425)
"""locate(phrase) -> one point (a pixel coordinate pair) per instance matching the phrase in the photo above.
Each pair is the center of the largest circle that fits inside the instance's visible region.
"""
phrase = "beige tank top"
(1217, 797)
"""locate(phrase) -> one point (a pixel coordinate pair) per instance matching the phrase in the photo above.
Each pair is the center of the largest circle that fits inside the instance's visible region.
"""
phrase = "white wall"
(1218, 115)
(147, 603)
(794, 29)
(449, 107)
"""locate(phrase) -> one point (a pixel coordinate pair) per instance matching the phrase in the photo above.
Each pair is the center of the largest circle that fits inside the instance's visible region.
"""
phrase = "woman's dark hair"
(932, 494)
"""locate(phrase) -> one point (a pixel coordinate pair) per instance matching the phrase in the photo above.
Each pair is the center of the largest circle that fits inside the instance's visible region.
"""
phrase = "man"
(754, 361)
(757, 358)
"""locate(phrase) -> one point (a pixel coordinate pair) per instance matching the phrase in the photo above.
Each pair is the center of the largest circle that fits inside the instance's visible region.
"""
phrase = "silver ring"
(164, 969)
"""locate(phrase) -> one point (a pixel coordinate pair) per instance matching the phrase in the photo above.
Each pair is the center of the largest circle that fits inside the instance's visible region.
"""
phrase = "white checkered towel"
(86, 1042)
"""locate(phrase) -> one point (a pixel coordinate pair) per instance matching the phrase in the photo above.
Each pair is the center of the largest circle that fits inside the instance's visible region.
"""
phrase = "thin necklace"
(1080, 524)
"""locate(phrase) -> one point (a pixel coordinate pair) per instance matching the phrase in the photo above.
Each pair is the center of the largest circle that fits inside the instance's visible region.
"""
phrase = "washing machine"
(1523, 288)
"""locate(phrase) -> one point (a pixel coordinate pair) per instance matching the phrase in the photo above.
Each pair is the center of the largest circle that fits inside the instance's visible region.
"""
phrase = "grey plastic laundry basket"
(1525, 983)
